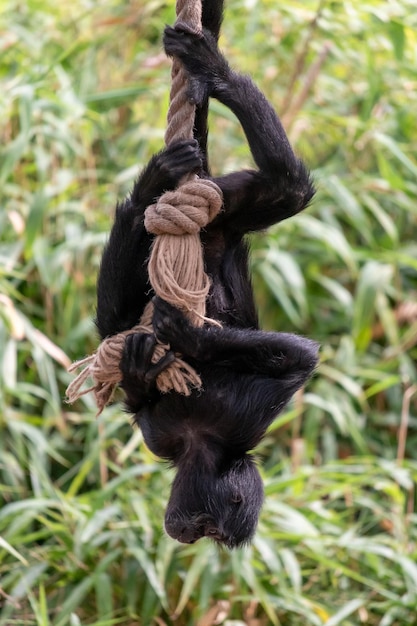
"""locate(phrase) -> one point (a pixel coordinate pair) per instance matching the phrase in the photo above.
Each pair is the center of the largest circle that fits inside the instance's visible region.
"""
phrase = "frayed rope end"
(103, 392)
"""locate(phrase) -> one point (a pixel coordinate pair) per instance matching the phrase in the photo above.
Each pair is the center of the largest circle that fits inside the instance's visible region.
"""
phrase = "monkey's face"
(224, 507)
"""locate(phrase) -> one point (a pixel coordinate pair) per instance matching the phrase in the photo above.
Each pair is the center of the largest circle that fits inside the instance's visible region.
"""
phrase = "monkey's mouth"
(190, 530)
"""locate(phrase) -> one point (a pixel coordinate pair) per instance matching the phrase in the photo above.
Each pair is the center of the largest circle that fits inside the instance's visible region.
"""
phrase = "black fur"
(248, 375)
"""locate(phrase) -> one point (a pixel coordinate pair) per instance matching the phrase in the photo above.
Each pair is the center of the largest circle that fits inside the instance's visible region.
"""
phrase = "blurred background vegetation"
(83, 99)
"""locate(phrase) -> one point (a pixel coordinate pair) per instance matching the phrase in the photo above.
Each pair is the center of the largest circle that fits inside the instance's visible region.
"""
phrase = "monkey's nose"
(183, 533)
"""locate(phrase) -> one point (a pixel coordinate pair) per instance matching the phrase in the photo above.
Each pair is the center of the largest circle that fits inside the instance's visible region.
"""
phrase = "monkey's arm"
(276, 355)
(281, 187)
(123, 288)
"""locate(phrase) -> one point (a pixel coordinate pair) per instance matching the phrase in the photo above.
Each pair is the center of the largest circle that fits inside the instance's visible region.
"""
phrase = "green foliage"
(83, 98)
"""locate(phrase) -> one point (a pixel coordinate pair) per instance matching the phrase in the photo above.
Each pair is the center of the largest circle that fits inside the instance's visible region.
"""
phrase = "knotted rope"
(176, 264)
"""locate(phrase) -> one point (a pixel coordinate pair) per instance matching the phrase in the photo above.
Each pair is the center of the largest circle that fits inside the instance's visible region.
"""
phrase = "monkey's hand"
(165, 170)
(178, 159)
(207, 68)
(138, 370)
(172, 327)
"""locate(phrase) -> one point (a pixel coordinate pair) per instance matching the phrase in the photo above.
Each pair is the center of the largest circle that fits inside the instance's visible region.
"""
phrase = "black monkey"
(248, 375)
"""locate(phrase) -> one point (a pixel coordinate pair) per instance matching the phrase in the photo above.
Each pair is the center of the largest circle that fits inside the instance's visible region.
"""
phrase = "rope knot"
(186, 210)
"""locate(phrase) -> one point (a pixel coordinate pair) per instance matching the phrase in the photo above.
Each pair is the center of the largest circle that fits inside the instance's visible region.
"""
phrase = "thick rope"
(181, 113)
(176, 264)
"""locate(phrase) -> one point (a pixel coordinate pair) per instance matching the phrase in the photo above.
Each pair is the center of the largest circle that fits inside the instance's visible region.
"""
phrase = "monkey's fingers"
(156, 369)
(137, 354)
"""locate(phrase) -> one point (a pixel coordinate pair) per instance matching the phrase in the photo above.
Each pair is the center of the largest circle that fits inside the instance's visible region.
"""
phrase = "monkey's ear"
(237, 498)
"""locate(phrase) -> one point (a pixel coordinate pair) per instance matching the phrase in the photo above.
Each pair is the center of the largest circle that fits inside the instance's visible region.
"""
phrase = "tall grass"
(84, 93)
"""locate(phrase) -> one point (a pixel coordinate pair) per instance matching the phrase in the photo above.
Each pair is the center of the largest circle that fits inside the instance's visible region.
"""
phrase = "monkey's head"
(222, 504)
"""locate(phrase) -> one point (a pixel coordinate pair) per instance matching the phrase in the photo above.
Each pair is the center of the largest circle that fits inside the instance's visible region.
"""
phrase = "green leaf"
(5, 545)
(73, 600)
(373, 278)
(97, 521)
(350, 607)
(192, 578)
(104, 595)
(114, 98)
(397, 34)
(149, 570)
(394, 148)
